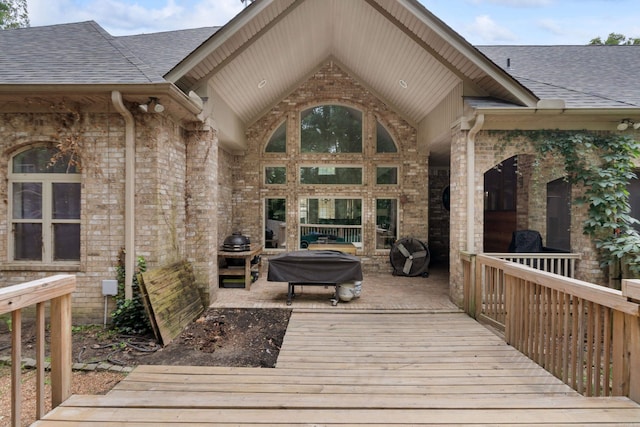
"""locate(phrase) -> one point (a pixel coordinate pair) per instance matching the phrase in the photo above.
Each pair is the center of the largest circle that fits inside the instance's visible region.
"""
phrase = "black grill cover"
(322, 266)
(523, 241)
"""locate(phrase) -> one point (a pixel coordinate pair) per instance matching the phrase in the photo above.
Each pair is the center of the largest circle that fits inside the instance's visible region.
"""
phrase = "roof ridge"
(128, 54)
(168, 31)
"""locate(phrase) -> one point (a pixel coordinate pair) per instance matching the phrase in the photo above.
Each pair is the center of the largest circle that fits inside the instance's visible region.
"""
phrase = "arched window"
(278, 141)
(44, 193)
(331, 129)
(384, 141)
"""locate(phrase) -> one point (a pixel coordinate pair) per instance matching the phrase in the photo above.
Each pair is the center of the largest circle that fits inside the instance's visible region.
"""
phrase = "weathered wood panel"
(171, 298)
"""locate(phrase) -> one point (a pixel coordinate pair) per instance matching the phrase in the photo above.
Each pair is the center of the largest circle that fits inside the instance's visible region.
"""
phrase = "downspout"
(471, 171)
(129, 194)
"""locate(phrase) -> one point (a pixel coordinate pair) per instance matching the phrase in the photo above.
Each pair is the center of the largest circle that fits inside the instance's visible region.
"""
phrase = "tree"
(13, 14)
(616, 39)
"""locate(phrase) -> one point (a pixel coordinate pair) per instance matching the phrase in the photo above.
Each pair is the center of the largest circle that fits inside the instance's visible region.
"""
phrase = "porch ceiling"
(380, 42)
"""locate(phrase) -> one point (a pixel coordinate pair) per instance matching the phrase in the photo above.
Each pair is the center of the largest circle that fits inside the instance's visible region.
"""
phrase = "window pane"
(331, 211)
(66, 242)
(332, 220)
(66, 201)
(275, 175)
(43, 160)
(331, 129)
(387, 176)
(386, 223)
(27, 200)
(27, 244)
(278, 141)
(384, 141)
(331, 175)
(276, 225)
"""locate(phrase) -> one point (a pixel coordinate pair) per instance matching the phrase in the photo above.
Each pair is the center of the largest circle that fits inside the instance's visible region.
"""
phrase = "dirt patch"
(220, 337)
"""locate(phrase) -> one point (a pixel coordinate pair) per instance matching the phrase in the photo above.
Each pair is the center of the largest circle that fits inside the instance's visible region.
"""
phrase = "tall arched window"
(331, 129)
(44, 193)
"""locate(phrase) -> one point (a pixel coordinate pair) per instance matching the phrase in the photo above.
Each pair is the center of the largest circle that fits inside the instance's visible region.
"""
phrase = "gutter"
(129, 194)
(471, 171)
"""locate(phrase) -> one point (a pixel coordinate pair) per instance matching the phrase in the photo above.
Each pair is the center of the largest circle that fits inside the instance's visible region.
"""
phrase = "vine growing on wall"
(603, 164)
(129, 315)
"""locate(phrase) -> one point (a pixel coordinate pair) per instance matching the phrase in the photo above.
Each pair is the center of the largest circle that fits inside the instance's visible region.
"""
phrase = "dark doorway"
(559, 215)
(500, 200)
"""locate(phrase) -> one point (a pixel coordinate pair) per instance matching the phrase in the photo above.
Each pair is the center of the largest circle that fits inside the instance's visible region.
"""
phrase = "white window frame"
(47, 180)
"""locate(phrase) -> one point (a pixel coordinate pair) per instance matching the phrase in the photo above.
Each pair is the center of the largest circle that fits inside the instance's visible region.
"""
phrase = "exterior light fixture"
(154, 103)
(625, 123)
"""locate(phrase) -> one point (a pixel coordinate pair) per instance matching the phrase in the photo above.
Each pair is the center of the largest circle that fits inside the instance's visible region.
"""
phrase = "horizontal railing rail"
(349, 233)
(13, 299)
(585, 334)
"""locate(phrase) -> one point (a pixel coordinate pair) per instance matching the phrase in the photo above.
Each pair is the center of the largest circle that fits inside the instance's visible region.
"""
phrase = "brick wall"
(329, 85)
(102, 227)
(160, 196)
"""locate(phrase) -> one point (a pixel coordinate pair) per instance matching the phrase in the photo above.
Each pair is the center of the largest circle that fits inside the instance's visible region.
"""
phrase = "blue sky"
(481, 22)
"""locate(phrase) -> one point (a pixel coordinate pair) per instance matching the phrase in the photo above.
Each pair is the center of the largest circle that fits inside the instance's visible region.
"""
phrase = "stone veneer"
(329, 85)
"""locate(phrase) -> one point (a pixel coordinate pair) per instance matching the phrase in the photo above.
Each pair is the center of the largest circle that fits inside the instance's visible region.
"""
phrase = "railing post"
(61, 351)
(477, 289)
(16, 367)
(633, 348)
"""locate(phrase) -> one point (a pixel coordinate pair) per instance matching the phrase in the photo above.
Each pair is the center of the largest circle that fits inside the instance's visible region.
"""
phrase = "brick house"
(369, 119)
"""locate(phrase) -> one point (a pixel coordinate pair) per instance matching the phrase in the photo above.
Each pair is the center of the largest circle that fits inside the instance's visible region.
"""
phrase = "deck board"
(354, 369)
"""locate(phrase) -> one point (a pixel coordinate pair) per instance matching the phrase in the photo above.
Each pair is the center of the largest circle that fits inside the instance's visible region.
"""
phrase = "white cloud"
(120, 17)
(486, 30)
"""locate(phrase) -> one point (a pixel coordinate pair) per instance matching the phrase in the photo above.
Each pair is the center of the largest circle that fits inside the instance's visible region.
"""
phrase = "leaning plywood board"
(171, 298)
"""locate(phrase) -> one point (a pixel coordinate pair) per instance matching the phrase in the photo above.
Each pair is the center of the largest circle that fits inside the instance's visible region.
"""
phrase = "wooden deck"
(356, 368)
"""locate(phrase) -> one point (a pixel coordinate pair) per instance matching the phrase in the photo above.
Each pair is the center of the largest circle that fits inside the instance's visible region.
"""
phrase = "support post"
(62, 351)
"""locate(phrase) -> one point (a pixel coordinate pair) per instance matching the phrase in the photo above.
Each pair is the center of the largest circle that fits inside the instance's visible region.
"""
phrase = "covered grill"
(236, 243)
(322, 267)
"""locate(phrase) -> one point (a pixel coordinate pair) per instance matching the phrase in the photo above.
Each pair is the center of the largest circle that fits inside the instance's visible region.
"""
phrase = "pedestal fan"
(410, 257)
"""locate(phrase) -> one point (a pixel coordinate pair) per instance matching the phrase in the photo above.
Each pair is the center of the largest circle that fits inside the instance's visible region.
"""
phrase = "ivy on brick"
(603, 163)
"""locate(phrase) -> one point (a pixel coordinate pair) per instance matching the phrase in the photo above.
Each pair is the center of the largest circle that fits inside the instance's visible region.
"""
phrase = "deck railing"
(563, 264)
(586, 335)
(349, 233)
(13, 299)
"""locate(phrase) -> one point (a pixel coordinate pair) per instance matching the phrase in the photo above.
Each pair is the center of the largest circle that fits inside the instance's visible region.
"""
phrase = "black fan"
(410, 257)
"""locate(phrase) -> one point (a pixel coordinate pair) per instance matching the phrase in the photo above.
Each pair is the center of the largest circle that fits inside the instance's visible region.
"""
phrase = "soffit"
(380, 42)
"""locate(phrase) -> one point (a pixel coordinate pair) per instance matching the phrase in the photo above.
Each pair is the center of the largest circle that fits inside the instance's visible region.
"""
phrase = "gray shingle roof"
(80, 53)
(584, 76)
(84, 53)
(165, 50)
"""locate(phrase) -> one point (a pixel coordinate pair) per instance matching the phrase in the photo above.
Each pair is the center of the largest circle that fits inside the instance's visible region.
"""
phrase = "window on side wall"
(44, 194)
(386, 223)
(275, 227)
